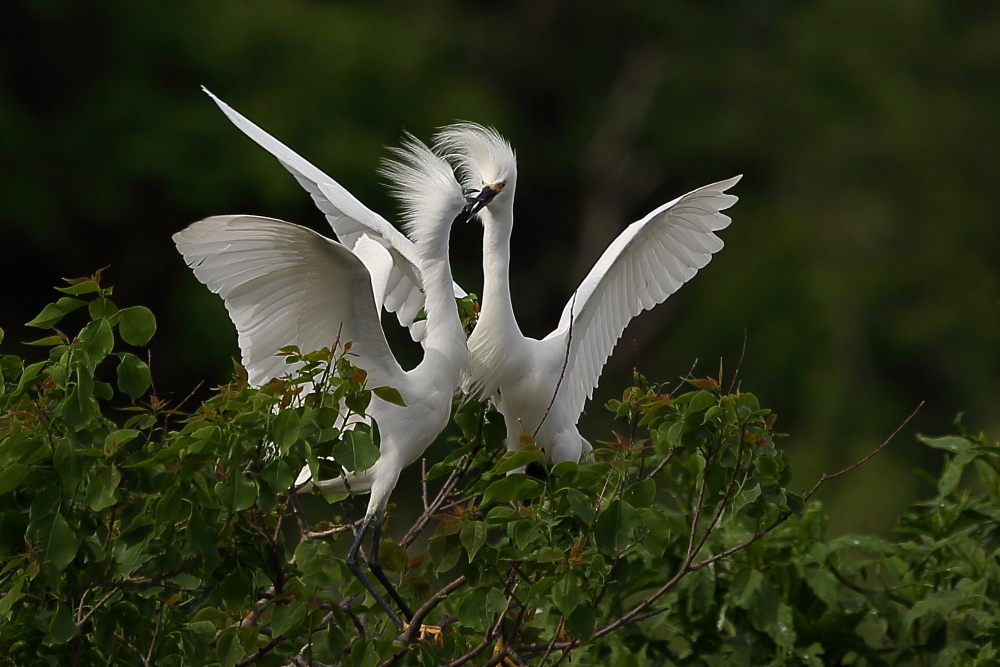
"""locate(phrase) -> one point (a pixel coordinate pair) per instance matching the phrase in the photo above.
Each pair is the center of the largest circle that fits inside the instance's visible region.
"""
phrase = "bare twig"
(827, 478)
(118, 585)
(300, 513)
(662, 464)
(681, 383)
(261, 652)
(410, 634)
(722, 503)
(490, 634)
(423, 481)
(739, 365)
(562, 371)
(555, 635)
(446, 490)
(156, 635)
(129, 644)
(697, 514)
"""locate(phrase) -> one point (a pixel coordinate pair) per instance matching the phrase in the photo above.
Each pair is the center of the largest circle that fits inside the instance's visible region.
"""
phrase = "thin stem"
(666, 460)
(739, 365)
(411, 632)
(562, 372)
(555, 635)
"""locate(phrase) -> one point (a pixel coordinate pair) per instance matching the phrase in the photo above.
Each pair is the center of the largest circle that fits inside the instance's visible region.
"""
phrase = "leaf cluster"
(135, 532)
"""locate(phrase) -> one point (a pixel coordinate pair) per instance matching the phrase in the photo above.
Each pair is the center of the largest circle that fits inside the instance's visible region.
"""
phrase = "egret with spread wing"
(286, 285)
(354, 224)
(542, 385)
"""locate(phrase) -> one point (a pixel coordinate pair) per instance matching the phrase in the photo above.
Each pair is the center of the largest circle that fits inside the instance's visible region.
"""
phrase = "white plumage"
(648, 262)
(284, 284)
(351, 221)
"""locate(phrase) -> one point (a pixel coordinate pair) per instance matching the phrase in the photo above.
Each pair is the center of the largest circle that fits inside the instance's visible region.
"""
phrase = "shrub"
(134, 532)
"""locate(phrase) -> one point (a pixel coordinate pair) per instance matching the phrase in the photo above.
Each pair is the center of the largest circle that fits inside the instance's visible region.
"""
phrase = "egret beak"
(474, 204)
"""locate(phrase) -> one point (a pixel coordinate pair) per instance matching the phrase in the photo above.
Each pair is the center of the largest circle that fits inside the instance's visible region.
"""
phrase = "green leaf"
(13, 595)
(133, 375)
(615, 526)
(1, 334)
(566, 593)
(103, 489)
(85, 287)
(285, 429)
(278, 475)
(389, 395)
(97, 340)
(47, 341)
(136, 325)
(640, 494)
(701, 401)
(472, 612)
(59, 542)
(28, 376)
(118, 439)
(68, 464)
(950, 443)
(312, 556)
(356, 452)
(237, 493)
(103, 308)
(228, 648)
(286, 616)
(473, 537)
(581, 623)
(941, 603)
(77, 409)
(512, 488)
(517, 459)
(581, 505)
(68, 304)
(48, 318)
(495, 601)
(824, 585)
(952, 474)
(61, 627)
(11, 477)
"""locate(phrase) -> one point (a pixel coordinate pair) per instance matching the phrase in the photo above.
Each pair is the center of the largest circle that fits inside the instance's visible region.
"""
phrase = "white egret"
(284, 284)
(354, 224)
(542, 385)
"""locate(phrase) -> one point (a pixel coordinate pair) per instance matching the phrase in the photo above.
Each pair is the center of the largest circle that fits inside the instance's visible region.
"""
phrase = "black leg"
(376, 569)
(355, 568)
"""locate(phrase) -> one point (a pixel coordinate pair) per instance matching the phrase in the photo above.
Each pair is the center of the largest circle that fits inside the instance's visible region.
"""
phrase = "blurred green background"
(863, 263)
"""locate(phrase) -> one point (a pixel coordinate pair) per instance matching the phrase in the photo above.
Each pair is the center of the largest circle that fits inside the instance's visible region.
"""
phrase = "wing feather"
(647, 263)
(351, 221)
(287, 285)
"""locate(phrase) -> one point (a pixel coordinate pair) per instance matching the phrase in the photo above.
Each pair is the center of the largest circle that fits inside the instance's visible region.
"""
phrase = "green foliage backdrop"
(134, 531)
(864, 261)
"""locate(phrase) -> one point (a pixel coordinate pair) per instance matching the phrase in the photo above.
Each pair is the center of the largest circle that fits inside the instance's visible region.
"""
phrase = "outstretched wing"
(287, 285)
(351, 220)
(648, 262)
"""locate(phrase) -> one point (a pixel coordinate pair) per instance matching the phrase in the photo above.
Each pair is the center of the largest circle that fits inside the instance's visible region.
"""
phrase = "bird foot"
(430, 634)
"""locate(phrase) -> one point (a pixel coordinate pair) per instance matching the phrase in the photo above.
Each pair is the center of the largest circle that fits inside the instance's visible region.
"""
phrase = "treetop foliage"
(140, 531)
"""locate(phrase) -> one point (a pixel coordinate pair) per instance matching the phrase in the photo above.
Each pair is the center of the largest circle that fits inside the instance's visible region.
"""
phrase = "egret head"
(425, 186)
(485, 161)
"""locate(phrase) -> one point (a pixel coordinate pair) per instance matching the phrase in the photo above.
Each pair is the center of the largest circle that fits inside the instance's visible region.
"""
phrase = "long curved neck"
(497, 310)
(444, 328)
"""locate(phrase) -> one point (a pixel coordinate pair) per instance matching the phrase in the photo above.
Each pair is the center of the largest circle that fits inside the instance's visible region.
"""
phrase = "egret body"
(541, 386)
(284, 284)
